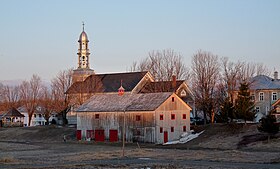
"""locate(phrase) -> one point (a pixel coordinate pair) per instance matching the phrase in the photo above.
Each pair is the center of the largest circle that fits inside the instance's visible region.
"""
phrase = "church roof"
(100, 83)
(127, 102)
(262, 82)
(83, 37)
(162, 86)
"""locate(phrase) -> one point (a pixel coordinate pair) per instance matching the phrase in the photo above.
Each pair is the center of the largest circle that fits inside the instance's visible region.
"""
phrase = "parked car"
(197, 121)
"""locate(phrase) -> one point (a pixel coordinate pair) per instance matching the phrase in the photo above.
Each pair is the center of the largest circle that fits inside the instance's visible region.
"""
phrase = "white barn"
(151, 117)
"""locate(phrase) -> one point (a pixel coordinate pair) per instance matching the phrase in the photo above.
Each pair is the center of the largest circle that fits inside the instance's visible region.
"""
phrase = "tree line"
(213, 81)
(33, 93)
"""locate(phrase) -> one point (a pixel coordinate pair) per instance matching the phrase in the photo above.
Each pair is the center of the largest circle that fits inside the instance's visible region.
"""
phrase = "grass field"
(220, 146)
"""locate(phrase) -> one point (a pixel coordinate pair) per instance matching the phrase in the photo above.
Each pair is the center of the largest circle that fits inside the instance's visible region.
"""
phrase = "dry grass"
(8, 159)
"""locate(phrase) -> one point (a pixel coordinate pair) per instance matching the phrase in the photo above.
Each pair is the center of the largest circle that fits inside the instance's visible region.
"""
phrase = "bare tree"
(60, 85)
(47, 102)
(205, 67)
(29, 95)
(9, 96)
(231, 75)
(162, 65)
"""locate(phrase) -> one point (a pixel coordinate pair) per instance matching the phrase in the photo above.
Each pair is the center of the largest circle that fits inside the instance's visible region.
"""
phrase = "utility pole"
(121, 93)
(123, 133)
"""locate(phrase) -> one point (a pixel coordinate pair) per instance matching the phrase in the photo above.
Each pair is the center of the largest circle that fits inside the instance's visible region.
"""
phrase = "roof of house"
(13, 112)
(127, 102)
(162, 86)
(38, 110)
(262, 82)
(100, 83)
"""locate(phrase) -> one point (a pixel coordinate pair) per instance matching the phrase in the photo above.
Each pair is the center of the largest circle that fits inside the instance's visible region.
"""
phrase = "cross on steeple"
(83, 26)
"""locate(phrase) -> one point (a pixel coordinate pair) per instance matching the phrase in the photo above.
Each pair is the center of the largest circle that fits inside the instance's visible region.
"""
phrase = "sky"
(41, 37)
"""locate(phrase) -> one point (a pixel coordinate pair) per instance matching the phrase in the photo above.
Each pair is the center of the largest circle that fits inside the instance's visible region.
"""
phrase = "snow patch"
(185, 137)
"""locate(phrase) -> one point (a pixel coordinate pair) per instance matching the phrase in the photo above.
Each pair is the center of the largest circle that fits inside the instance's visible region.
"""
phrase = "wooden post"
(123, 133)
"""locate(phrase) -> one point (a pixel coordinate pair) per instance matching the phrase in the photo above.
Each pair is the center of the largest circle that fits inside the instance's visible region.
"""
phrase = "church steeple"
(83, 70)
(83, 51)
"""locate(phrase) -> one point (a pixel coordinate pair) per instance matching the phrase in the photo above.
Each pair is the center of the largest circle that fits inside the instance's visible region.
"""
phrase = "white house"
(38, 118)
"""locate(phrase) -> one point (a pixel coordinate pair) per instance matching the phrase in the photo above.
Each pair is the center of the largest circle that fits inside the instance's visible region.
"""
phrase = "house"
(37, 119)
(264, 91)
(11, 118)
(149, 117)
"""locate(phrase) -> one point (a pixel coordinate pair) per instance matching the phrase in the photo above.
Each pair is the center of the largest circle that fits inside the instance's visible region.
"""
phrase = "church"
(99, 101)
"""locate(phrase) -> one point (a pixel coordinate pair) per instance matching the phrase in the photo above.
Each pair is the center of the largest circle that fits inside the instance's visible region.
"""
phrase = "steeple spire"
(83, 51)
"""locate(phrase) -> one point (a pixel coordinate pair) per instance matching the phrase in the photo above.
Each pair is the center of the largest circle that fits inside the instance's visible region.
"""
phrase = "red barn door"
(79, 134)
(165, 136)
(113, 135)
(99, 135)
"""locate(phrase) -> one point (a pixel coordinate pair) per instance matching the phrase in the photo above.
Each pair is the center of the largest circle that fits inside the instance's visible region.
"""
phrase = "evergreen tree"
(269, 125)
(244, 106)
(227, 111)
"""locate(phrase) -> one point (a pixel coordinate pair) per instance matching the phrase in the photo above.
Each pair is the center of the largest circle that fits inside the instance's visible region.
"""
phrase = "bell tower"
(83, 70)
(83, 51)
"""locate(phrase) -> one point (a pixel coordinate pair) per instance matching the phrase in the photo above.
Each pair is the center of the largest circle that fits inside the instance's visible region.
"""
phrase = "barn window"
(161, 117)
(161, 130)
(172, 129)
(184, 128)
(138, 117)
(184, 116)
(172, 116)
(96, 116)
(173, 99)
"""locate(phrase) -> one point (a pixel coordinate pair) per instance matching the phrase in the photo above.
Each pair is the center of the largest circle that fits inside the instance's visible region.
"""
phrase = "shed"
(12, 118)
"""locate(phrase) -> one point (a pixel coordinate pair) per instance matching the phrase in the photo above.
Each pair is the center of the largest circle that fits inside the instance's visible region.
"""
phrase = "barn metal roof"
(127, 102)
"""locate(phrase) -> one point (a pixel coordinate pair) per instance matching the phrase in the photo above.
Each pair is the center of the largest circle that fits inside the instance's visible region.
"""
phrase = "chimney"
(275, 75)
(174, 81)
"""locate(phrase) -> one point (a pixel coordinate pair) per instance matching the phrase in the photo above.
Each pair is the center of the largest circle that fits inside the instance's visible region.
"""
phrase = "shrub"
(269, 125)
